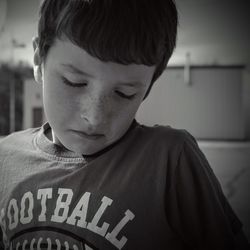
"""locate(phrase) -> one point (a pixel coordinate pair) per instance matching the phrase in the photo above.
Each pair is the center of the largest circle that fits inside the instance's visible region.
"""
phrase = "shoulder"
(164, 142)
(167, 135)
(17, 140)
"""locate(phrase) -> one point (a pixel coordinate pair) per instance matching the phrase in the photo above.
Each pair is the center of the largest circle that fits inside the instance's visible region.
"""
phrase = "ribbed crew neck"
(61, 153)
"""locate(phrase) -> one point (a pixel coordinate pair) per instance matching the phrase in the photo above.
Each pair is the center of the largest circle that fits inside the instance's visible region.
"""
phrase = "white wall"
(210, 108)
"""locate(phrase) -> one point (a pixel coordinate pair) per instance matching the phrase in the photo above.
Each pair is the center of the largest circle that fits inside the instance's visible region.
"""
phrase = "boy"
(92, 177)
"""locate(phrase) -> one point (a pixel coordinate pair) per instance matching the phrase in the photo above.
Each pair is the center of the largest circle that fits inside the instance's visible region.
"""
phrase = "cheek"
(56, 101)
(125, 109)
(126, 114)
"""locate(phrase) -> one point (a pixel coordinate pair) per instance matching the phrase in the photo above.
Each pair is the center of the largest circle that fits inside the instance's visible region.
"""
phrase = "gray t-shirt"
(153, 189)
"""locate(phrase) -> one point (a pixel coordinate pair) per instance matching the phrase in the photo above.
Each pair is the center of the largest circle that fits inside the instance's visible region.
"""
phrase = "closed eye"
(73, 84)
(121, 94)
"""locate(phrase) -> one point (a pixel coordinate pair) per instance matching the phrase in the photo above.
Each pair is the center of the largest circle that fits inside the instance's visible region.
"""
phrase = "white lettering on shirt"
(56, 206)
(80, 211)
(43, 195)
(27, 197)
(112, 237)
(93, 224)
(12, 214)
(62, 205)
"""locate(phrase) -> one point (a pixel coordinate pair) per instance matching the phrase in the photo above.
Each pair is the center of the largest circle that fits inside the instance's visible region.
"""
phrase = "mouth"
(88, 136)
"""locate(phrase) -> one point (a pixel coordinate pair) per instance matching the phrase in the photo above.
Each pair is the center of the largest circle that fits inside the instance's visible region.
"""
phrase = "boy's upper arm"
(196, 206)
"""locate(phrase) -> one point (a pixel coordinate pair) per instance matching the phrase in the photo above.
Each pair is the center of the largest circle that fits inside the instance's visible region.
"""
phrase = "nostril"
(95, 113)
(92, 124)
(82, 116)
(94, 119)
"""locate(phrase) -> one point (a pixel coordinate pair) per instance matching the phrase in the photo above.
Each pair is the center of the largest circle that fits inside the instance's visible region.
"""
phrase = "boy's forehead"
(72, 58)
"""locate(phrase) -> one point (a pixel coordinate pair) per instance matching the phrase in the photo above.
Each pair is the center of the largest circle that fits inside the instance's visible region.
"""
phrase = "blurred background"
(205, 89)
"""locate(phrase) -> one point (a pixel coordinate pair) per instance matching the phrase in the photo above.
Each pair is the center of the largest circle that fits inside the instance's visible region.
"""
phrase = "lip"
(88, 136)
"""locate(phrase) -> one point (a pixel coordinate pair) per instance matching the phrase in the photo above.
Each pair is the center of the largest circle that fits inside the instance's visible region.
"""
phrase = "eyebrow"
(76, 70)
(80, 72)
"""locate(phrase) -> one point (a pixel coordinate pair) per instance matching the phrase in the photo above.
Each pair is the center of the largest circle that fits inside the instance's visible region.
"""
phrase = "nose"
(96, 113)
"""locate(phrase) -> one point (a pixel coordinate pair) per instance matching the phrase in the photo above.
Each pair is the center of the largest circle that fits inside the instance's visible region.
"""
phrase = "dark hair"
(122, 31)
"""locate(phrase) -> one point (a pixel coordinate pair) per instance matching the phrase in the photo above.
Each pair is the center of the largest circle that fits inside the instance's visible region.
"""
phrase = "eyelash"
(72, 84)
(129, 97)
(80, 85)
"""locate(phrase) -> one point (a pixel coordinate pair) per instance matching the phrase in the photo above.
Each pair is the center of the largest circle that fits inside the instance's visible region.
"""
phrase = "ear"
(37, 62)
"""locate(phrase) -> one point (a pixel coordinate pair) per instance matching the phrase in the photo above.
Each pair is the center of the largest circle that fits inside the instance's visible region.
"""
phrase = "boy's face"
(89, 103)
